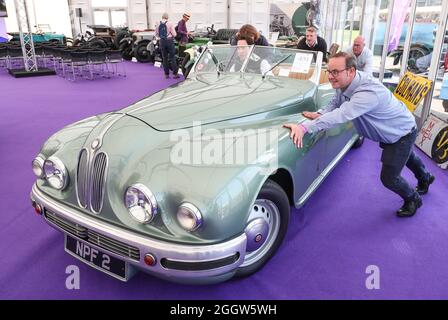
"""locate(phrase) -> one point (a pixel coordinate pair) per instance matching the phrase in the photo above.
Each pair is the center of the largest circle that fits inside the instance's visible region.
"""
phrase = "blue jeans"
(168, 55)
(394, 157)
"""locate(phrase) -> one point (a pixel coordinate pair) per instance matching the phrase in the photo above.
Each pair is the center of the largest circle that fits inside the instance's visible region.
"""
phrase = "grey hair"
(165, 15)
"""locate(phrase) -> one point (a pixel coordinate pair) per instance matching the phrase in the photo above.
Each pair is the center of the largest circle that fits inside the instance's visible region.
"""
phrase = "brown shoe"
(167, 76)
(176, 76)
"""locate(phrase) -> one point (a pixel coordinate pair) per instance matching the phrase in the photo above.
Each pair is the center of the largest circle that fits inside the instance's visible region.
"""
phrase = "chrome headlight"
(141, 203)
(189, 217)
(38, 167)
(55, 173)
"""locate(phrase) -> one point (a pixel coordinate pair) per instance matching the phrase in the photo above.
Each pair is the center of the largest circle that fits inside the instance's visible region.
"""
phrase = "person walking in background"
(166, 34)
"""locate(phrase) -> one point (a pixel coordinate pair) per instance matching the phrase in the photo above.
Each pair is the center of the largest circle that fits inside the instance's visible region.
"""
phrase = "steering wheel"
(211, 31)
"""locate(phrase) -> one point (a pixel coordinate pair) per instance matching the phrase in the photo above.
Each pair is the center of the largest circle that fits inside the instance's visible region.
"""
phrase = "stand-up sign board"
(412, 89)
(433, 140)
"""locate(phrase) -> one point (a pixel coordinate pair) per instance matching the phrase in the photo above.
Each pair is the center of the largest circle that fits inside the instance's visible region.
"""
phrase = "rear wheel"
(265, 228)
(126, 51)
(416, 53)
(141, 52)
(445, 105)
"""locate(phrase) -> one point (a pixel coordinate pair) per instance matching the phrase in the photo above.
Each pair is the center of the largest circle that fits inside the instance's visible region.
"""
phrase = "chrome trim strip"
(86, 179)
(316, 183)
(108, 123)
(160, 249)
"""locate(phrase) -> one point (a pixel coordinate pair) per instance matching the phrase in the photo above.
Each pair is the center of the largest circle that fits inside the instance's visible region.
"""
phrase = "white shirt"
(364, 62)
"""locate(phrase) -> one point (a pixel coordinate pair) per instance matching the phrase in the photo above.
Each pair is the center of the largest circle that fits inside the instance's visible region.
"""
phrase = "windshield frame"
(317, 64)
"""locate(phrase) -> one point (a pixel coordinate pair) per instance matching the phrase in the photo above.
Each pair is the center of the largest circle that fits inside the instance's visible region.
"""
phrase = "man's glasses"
(335, 72)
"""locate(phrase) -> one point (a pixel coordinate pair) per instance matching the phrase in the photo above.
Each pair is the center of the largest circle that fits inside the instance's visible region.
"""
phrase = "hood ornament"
(95, 144)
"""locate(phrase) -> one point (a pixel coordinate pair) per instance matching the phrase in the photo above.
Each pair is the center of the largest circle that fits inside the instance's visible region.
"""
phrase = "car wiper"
(264, 74)
(216, 62)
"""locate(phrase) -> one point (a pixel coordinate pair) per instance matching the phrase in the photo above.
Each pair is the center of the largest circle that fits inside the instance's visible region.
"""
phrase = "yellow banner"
(412, 89)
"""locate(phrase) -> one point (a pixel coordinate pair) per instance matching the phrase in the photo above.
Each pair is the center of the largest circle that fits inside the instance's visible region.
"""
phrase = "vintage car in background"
(128, 193)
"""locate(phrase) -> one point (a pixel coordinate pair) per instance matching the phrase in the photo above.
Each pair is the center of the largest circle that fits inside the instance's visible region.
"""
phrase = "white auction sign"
(302, 63)
(433, 140)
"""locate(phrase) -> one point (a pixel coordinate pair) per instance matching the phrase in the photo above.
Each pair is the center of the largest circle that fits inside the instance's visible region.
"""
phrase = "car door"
(308, 165)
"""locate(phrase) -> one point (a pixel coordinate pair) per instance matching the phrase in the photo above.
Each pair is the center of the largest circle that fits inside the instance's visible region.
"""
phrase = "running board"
(316, 183)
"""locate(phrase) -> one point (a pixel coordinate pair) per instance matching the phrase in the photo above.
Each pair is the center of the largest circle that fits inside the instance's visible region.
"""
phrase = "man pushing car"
(377, 115)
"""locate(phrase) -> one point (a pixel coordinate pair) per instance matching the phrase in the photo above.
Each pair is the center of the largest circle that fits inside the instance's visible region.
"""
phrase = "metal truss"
(26, 36)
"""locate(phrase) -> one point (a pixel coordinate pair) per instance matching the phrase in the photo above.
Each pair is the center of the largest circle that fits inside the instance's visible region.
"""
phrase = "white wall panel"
(218, 13)
(177, 9)
(239, 13)
(87, 17)
(199, 14)
(259, 15)
(55, 14)
(155, 9)
(137, 14)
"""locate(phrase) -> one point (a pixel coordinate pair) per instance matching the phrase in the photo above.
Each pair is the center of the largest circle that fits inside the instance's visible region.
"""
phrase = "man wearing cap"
(183, 32)
(313, 42)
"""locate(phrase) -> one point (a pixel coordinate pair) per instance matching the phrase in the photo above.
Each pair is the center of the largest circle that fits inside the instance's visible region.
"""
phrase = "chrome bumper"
(175, 253)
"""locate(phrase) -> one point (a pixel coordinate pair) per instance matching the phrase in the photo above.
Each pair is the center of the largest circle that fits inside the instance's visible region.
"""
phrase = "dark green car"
(194, 183)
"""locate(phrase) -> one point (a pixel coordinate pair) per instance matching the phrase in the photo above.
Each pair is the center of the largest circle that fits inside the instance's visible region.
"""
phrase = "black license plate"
(96, 258)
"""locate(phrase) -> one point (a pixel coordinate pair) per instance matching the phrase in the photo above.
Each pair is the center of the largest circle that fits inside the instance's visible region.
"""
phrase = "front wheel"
(97, 44)
(358, 143)
(265, 228)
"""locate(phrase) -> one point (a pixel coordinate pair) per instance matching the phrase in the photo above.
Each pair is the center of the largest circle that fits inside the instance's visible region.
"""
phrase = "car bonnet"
(206, 100)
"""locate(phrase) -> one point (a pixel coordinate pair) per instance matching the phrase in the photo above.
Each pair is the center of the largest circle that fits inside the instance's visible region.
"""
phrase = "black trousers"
(168, 55)
(394, 157)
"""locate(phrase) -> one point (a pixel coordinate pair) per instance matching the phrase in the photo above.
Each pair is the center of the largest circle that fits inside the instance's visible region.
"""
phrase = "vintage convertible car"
(194, 183)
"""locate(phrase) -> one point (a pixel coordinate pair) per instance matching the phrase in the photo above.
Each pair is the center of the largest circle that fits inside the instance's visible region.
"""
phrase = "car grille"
(98, 175)
(91, 181)
(113, 245)
(69, 227)
(102, 241)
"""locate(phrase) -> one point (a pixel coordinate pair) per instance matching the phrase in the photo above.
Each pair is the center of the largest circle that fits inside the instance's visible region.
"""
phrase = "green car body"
(138, 142)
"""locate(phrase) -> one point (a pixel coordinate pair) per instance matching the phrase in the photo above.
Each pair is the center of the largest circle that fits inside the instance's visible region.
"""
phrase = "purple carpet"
(346, 226)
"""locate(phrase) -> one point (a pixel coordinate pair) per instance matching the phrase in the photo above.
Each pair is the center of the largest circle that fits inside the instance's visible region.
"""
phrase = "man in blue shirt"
(377, 115)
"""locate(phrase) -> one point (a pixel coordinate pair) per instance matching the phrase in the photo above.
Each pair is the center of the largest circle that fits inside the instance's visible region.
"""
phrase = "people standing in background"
(362, 54)
(166, 34)
(183, 34)
(313, 42)
(249, 31)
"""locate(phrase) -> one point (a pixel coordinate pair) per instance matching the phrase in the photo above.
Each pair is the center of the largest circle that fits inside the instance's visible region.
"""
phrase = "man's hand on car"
(311, 115)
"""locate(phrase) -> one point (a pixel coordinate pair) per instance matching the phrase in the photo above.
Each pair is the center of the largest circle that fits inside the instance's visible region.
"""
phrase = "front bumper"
(175, 262)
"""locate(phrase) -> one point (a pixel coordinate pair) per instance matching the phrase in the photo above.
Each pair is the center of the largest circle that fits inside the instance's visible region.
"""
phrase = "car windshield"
(267, 61)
